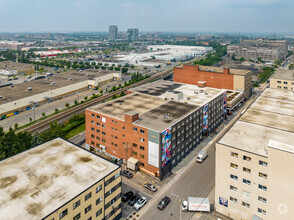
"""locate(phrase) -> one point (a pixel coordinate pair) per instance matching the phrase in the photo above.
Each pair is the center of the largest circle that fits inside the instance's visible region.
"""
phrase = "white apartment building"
(255, 161)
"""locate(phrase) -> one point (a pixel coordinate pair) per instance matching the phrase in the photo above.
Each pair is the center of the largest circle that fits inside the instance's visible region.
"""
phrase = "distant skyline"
(271, 16)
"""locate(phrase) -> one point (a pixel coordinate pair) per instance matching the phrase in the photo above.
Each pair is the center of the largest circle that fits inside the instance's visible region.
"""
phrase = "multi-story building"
(216, 77)
(283, 79)
(58, 180)
(11, 45)
(255, 161)
(113, 30)
(253, 49)
(133, 34)
(158, 123)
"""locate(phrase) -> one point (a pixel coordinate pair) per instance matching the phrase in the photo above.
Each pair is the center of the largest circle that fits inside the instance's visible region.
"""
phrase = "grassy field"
(75, 131)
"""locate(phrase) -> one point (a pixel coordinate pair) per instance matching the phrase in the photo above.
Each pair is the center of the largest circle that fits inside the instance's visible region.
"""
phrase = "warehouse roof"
(270, 118)
(38, 181)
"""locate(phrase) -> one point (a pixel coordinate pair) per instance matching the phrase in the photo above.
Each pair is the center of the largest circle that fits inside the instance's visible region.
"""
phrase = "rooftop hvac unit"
(206, 93)
(196, 92)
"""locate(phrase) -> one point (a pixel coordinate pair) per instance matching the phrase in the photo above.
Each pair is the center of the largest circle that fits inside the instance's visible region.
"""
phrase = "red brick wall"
(191, 75)
(114, 128)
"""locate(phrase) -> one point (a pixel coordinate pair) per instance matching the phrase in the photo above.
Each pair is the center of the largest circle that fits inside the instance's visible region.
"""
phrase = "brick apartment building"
(158, 123)
(215, 77)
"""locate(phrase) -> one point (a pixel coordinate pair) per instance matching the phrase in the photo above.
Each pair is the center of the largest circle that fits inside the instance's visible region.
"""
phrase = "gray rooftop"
(270, 118)
(285, 74)
(165, 115)
(38, 181)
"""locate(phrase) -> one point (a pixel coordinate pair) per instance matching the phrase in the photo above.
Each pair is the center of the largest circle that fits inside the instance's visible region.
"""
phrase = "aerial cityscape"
(128, 110)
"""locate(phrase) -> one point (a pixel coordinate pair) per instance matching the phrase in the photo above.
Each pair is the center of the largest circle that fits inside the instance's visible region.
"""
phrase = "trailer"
(196, 204)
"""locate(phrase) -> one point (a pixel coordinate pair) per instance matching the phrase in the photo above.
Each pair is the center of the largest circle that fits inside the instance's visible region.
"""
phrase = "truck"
(196, 204)
(201, 156)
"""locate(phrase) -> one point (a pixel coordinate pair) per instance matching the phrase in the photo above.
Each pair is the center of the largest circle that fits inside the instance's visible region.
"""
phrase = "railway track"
(60, 117)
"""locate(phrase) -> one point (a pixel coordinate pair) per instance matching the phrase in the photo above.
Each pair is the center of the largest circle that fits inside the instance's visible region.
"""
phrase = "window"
(142, 148)
(90, 218)
(92, 136)
(78, 216)
(92, 115)
(262, 175)
(124, 128)
(261, 199)
(104, 133)
(98, 116)
(263, 163)
(285, 87)
(233, 188)
(142, 131)
(99, 200)
(262, 187)
(97, 130)
(246, 193)
(279, 82)
(279, 87)
(103, 126)
(112, 179)
(261, 211)
(92, 122)
(92, 129)
(62, 214)
(285, 82)
(233, 154)
(98, 138)
(112, 190)
(77, 204)
(135, 129)
(247, 170)
(233, 199)
(142, 164)
(135, 153)
(235, 166)
(248, 182)
(89, 208)
(246, 205)
(99, 212)
(135, 145)
(142, 139)
(112, 121)
(142, 156)
(247, 158)
(233, 177)
(98, 124)
(99, 188)
(88, 196)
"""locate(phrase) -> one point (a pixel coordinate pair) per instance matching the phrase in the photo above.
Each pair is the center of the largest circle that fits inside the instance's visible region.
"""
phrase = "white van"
(201, 156)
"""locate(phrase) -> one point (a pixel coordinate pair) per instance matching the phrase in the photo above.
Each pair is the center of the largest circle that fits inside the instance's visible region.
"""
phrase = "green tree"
(278, 62)
(122, 93)
(86, 97)
(15, 126)
(36, 139)
(76, 102)
(56, 110)
(44, 114)
(66, 105)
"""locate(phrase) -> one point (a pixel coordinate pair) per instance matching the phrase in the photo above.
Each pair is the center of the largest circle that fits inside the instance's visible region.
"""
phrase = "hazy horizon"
(191, 16)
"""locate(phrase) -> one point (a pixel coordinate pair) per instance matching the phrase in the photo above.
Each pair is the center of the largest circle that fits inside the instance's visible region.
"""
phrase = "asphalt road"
(198, 181)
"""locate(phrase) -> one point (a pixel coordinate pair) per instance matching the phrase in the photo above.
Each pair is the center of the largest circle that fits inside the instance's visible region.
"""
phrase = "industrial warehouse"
(158, 128)
(58, 180)
(36, 90)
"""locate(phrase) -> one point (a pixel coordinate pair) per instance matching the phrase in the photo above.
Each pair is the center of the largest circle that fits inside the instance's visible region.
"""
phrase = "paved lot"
(128, 212)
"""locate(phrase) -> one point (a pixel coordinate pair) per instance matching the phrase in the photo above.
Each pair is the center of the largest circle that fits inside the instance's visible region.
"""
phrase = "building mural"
(166, 147)
(205, 117)
(225, 102)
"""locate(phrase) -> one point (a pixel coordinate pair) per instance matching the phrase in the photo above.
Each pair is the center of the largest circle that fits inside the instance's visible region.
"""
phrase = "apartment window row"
(261, 211)
(247, 182)
(93, 115)
(88, 209)
(113, 211)
(88, 196)
(112, 201)
(100, 199)
(114, 177)
(246, 205)
(114, 121)
(247, 158)
(112, 190)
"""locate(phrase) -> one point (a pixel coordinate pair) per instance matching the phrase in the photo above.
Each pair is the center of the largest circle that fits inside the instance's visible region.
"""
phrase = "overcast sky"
(148, 15)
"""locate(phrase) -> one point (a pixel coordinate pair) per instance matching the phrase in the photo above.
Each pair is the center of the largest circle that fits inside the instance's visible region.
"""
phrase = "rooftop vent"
(206, 93)
(188, 98)
(196, 92)
(166, 116)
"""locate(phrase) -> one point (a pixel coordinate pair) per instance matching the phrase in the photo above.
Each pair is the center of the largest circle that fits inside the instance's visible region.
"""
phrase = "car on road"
(134, 199)
(150, 187)
(163, 203)
(127, 196)
(140, 203)
(127, 174)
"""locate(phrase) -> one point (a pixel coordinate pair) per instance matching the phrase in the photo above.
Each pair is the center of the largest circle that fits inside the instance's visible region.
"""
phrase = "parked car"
(134, 199)
(127, 174)
(140, 203)
(150, 187)
(127, 196)
(163, 203)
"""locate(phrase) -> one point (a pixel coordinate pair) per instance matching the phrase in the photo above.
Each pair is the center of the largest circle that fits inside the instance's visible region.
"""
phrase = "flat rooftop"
(241, 72)
(138, 102)
(9, 65)
(269, 119)
(38, 181)
(42, 85)
(165, 115)
(191, 93)
(284, 74)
